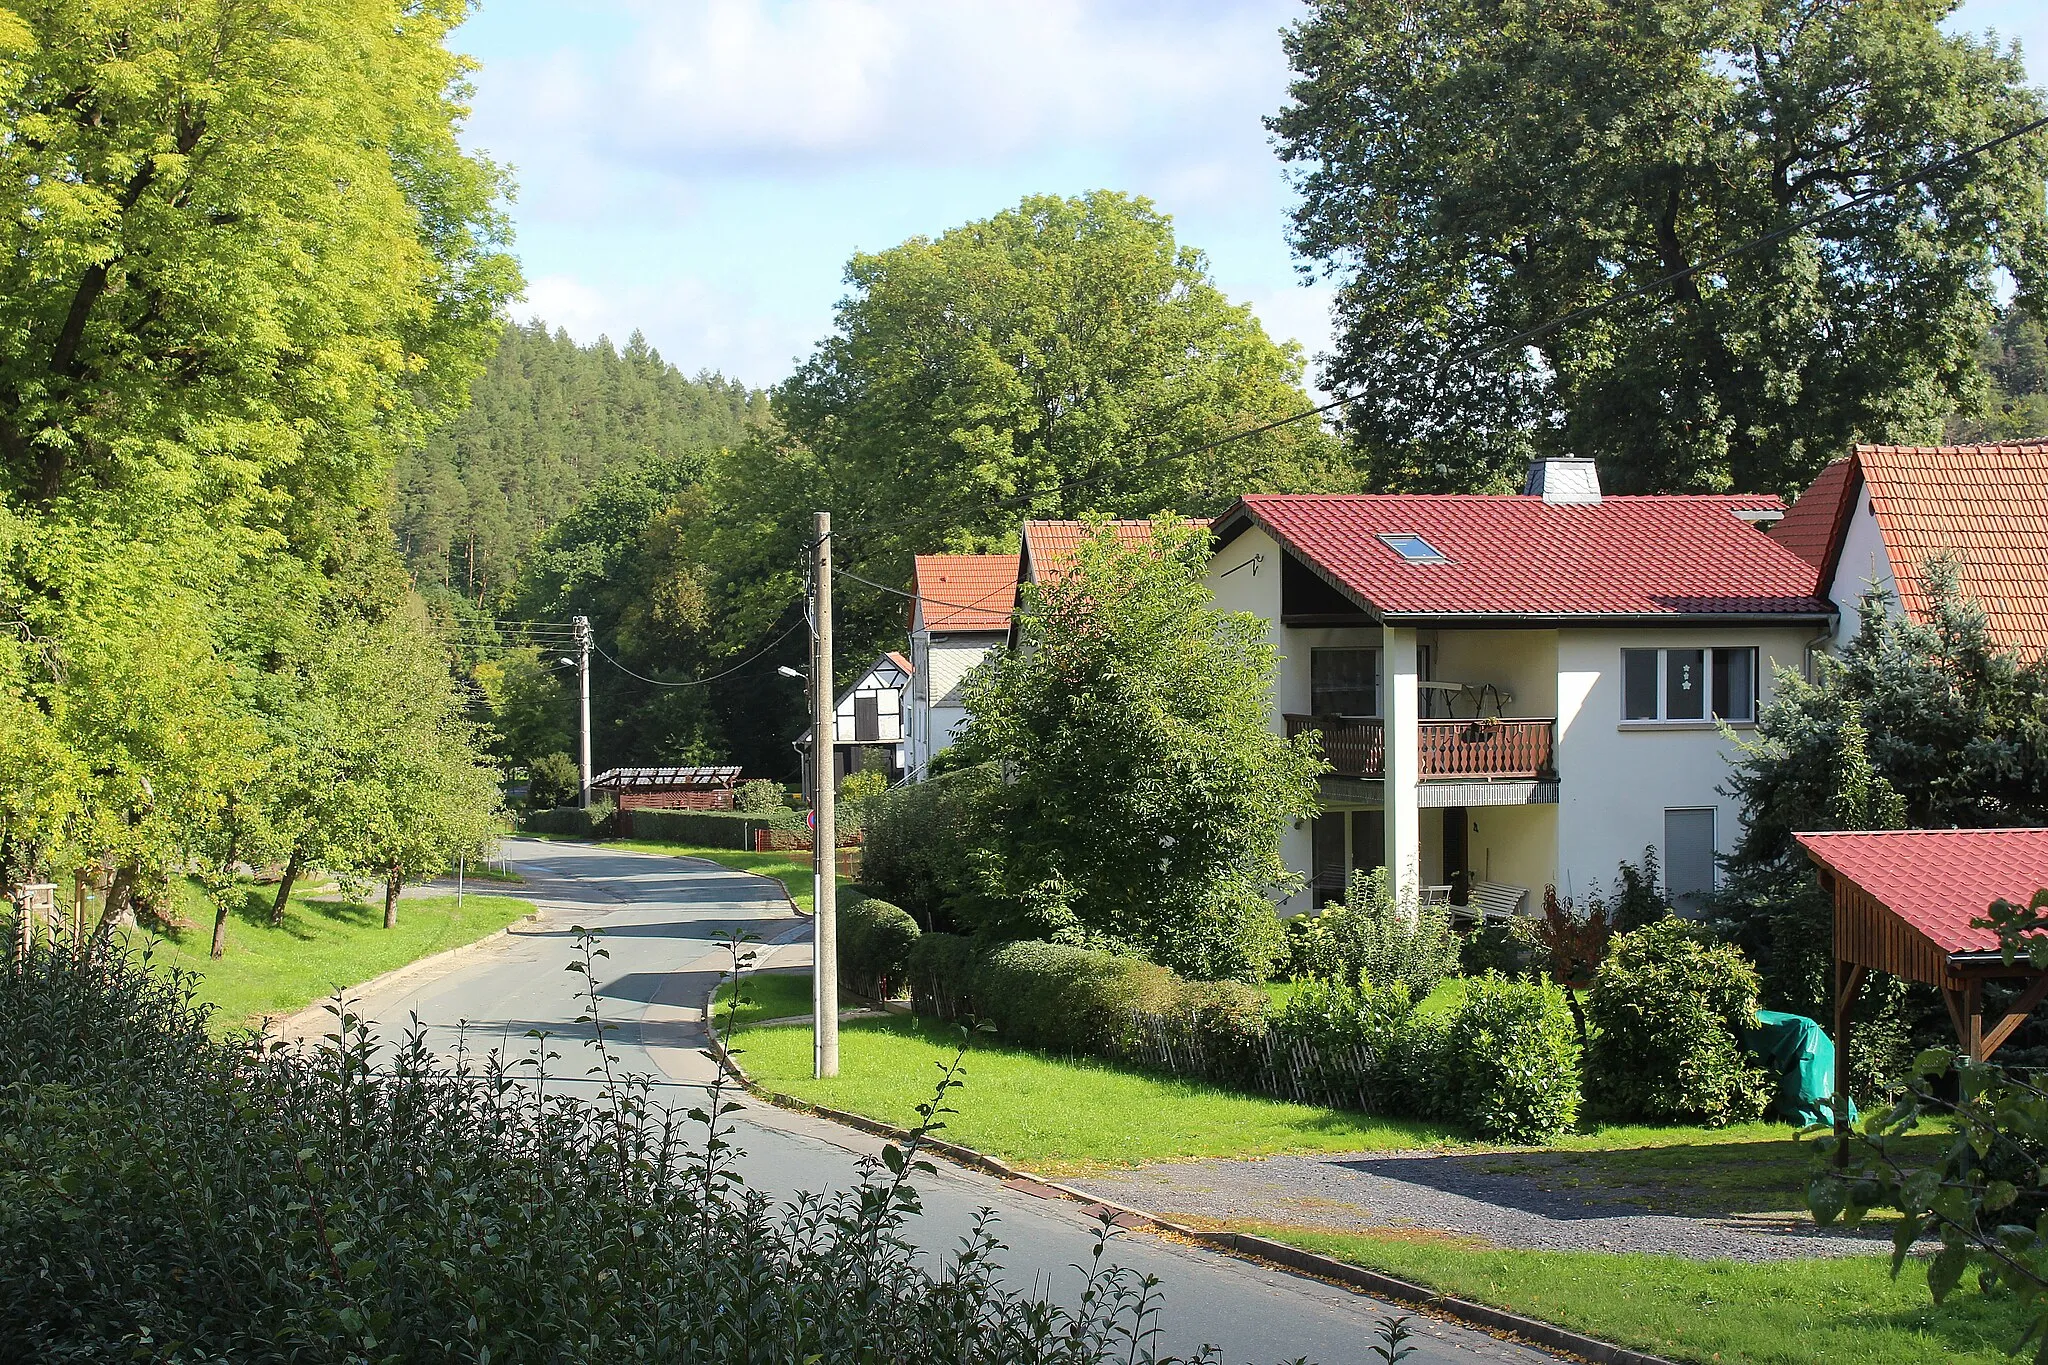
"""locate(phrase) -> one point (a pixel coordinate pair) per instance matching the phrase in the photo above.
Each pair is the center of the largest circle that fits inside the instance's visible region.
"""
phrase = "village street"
(662, 919)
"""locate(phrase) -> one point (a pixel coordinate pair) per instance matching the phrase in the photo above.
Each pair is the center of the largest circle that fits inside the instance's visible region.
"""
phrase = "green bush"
(170, 1197)
(1507, 1064)
(1666, 1018)
(875, 943)
(1361, 1038)
(942, 975)
(594, 823)
(1507, 946)
(1370, 937)
(708, 828)
(758, 795)
(552, 780)
(917, 847)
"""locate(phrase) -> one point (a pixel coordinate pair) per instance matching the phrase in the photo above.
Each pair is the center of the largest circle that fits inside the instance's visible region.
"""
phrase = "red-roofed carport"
(1904, 903)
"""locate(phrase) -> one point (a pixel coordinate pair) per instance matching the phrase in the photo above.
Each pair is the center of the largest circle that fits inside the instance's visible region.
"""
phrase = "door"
(867, 718)
(1457, 854)
(1326, 859)
(1688, 857)
(1368, 840)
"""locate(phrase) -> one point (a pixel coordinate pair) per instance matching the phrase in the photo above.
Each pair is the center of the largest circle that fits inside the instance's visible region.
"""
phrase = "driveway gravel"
(1471, 1196)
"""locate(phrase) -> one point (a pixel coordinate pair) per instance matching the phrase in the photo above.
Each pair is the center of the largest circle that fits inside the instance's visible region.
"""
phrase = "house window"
(1344, 682)
(1688, 684)
(1414, 548)
(1688, 856)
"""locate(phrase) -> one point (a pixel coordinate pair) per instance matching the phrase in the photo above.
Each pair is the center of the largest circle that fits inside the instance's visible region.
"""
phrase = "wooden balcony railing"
(1455, 750)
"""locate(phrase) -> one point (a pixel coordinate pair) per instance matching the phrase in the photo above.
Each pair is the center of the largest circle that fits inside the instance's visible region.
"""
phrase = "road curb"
(1244, 1245)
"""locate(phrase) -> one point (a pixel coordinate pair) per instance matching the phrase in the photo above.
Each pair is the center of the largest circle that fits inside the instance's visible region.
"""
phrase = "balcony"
(1449, 750)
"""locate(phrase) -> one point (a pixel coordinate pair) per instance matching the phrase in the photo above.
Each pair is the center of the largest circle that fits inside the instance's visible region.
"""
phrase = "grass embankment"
(321, 947)
(1798, 1312)
(767, 995)
(1054, 1114)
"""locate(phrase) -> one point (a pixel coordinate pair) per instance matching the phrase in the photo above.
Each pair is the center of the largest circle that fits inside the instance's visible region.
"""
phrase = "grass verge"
(322, 946)
(1054, 1114)
(1801, 1312)
(768, 995)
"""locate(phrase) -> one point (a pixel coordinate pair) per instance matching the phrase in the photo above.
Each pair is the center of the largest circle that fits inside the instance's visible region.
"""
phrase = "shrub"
(918, 837)
(1370, 937)
(552, 780)
(1509, 1060)
(172, 1197)
(1667, 1014)
(757, 795)
(1358, 1037)
(865, 785)
(710, 828)
(1506, 946)
(875, 942)
(942, 975)
(1221, 1023)
(1638, 899)
(1076, 1000)
(594, 823)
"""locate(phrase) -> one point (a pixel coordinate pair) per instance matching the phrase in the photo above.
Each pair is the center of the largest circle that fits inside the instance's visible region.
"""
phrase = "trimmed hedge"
(1042, 995)
(1667, 1015)
(875, 943)
(708, 828)
(915, 841)
(594, 823)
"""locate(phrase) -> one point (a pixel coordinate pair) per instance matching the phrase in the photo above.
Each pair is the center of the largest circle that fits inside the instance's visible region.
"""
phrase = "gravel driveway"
(1522, 1201)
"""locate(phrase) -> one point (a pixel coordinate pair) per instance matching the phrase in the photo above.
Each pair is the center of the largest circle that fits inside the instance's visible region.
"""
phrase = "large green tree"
(1470, 169)
(1062, 357)
(1143, 794)
(246, 261)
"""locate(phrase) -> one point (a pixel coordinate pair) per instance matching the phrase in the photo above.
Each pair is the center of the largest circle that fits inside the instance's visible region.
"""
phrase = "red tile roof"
(1519, 556)
(1049, 545)
(1987, 507)
(966, 592)
(1938, 880)
(1813, 528)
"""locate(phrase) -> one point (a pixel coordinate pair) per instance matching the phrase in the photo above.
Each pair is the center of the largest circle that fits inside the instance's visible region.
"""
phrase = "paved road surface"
(663, 918)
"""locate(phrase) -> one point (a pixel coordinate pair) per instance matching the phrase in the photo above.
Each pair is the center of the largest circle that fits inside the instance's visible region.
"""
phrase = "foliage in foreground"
(1369, 938)
(165, 1195)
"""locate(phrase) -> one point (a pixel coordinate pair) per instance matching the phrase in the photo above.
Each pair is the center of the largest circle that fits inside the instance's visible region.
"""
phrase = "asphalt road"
(663, 921)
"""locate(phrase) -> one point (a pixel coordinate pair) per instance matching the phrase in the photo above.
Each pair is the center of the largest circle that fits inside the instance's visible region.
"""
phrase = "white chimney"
(1564, 479)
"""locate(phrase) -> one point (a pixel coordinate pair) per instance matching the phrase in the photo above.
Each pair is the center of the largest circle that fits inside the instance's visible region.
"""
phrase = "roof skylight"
(1414, 548)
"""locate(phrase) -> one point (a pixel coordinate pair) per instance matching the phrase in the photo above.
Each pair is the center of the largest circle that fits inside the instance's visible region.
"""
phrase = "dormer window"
(1414, 548)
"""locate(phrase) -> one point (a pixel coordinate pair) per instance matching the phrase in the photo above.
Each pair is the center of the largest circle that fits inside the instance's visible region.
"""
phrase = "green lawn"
(1053, 1114)
(1801, 1312)
(321, 946)
(768, 995)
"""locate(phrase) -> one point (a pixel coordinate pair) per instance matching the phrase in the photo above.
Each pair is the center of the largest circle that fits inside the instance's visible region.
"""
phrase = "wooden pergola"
(1904, 904)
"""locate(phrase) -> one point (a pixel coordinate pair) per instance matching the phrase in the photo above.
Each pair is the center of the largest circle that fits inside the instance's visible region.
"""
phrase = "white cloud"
(694, 325)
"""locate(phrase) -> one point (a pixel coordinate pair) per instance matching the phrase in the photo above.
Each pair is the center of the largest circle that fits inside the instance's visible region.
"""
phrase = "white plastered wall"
(1863, 564)
(1616, 779)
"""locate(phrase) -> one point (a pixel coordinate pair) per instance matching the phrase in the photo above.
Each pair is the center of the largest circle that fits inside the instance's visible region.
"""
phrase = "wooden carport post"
(1848, 980)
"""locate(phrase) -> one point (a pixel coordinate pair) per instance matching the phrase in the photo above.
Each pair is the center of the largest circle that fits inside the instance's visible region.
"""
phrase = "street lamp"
(786, 671)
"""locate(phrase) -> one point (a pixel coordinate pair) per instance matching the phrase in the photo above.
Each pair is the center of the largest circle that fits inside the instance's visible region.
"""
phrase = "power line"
(1520, 338)
(699, 682)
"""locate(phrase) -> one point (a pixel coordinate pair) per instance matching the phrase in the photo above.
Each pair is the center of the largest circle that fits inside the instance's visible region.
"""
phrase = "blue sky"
(702, 169)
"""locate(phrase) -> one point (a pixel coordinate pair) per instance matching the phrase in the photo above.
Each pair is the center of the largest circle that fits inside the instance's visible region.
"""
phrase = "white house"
(1517, 690)
(1877, 516)
(961, 612)
(868, 719)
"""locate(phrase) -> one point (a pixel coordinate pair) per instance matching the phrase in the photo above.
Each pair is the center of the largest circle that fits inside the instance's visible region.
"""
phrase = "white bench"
(1495, 900)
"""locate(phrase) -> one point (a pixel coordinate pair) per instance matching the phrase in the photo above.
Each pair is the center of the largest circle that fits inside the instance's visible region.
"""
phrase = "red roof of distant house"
(1985, 506)
(1519, 556)
(897, 659)
(966, 592)
(1049, 546)
(1938, 880)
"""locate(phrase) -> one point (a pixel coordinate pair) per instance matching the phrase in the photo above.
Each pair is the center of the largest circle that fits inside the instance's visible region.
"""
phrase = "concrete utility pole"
(824, 838)
(582, 624)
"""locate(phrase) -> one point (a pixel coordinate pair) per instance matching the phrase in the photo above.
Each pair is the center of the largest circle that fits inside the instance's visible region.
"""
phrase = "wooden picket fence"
(1285, 1066)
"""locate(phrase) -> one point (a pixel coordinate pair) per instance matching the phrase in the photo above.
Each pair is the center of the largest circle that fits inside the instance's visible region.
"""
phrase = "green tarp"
(1796, 1050)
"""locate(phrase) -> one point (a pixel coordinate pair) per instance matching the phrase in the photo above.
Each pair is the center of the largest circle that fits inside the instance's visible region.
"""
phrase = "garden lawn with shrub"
(1053, 1114)
(322, 946)
(1795, 1312)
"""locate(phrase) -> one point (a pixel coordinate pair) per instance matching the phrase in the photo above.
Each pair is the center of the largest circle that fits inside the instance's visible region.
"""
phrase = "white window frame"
(1707, 653)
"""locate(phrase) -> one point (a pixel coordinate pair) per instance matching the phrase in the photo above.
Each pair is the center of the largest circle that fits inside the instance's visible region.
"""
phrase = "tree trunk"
(118, 910)
(220, 923)
(284, 886)
(391, 886)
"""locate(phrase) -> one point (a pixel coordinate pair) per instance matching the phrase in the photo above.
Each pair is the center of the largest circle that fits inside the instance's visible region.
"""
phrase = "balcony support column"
(1403, 711)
